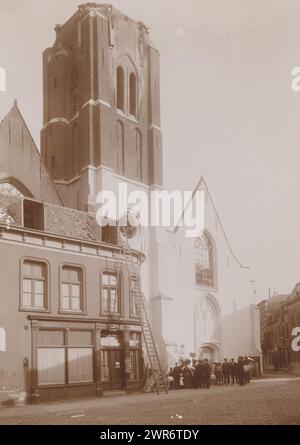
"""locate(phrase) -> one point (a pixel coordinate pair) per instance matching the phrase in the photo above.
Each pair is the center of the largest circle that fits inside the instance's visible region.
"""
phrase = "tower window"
(54, 84)
(52, 162)
(33, 214)
(133, 91)
(120, 149)
(138, 154)
(120, 89)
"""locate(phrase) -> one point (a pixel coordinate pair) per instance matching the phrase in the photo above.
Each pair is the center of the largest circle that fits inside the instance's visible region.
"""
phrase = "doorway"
(210, 352)
(112, 369)
(112, 362)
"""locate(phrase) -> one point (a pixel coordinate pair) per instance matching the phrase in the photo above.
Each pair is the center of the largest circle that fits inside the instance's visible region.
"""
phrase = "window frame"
(120, 291)
(132, 314)
(34, 202)
(139, 154)
(135, 353)
(120, 69)
(212, 258)
(129, 69)
(47, 281)
(83, 310)
(66, 347)
(132, 95)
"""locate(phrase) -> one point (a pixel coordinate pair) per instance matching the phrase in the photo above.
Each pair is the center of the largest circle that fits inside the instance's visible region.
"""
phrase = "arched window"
(133, 91)
(138, 146)
(120, 149)
(206, 322)
(204, 262)
(120, 88)
(2, 340)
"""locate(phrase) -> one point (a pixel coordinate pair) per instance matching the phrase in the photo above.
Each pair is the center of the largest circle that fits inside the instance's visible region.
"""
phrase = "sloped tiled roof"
(71, 223)
(58, 220)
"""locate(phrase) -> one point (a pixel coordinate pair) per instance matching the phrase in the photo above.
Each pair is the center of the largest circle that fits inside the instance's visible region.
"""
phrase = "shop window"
(65, 357)
(135, 356)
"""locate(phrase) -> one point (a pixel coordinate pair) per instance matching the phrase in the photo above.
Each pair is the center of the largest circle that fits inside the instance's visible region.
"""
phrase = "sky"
(228, 111)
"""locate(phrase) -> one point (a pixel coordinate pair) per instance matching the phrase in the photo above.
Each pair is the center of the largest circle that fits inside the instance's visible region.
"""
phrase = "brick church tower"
(101, 106)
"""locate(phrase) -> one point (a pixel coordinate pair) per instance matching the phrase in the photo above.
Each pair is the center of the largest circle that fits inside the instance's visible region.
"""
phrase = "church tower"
(101, 106)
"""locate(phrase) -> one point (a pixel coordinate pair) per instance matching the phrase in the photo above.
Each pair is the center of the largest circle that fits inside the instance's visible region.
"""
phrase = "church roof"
(59, 220)
(21, 161)
(202, 185)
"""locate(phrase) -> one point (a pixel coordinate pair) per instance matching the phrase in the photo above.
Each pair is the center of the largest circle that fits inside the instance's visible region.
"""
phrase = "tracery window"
(204, 262)
(206, 321)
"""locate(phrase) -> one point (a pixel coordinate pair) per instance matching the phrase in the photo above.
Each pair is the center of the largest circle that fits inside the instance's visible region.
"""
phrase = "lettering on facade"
(2, 79)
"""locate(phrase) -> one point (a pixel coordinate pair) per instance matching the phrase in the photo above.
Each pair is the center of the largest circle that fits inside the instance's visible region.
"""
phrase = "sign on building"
(2, 340)
(2, 79)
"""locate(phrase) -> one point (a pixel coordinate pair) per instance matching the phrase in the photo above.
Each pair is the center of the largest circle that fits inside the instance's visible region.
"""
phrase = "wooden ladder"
(135, 283)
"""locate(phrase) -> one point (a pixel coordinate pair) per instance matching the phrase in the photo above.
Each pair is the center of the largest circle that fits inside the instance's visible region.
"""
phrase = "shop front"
(72, 359)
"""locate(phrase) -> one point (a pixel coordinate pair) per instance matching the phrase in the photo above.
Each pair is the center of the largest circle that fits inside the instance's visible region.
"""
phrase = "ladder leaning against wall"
(135, 284)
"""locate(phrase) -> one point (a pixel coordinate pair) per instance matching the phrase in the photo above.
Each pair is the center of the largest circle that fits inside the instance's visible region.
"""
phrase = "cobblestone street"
(266, 401)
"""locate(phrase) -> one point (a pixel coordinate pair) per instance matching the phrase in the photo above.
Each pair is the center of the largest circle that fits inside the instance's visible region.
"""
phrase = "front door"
(117, 369)
(112, 369)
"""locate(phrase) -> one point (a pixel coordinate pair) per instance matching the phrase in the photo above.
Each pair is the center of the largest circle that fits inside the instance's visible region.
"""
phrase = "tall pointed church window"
(204, 262)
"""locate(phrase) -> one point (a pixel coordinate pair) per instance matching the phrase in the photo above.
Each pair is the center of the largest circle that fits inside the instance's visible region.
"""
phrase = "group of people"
(201, 373)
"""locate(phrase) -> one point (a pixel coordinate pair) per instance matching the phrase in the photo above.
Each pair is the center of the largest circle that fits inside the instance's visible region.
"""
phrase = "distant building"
(60, 296)
(278, 316)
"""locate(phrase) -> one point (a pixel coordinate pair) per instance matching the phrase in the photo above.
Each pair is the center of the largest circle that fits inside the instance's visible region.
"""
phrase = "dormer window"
(110, 234)
(33, 215)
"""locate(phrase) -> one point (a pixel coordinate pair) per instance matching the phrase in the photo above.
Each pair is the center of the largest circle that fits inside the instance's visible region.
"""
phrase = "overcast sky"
(228, 111)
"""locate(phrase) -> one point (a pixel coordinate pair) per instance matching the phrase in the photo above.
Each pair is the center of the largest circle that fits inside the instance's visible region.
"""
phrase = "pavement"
(273, 400)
